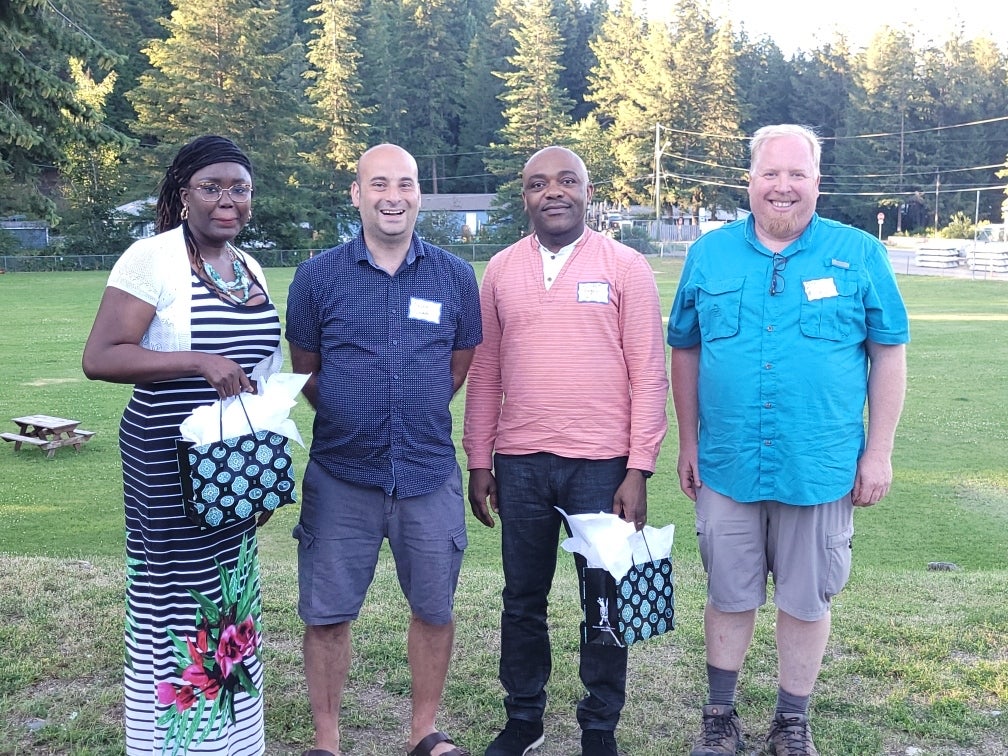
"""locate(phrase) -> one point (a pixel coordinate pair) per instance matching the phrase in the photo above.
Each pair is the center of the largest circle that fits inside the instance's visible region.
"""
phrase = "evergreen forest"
(96, 96)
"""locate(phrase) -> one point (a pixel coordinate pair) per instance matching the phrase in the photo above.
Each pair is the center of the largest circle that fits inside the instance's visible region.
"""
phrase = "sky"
(806, 26)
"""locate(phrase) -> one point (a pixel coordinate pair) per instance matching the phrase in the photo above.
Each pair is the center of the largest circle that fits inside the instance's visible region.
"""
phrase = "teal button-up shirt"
(783, 376)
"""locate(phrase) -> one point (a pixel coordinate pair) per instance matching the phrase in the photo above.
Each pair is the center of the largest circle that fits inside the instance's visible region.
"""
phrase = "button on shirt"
(386, 342)
(553, 262)
(783, 377)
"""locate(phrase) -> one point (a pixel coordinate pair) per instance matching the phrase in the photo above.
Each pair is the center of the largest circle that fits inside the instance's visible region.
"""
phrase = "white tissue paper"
(268, 409)
(615, 545)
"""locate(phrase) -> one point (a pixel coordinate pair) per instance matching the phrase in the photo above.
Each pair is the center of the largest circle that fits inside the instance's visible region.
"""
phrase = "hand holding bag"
(237, 478)
(640, 606)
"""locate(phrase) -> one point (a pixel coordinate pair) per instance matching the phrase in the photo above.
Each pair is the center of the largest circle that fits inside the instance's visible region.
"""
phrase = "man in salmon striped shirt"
(565, 407)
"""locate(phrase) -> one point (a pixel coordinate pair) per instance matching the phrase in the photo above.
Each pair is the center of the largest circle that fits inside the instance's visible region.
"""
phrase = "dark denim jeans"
(529, 486)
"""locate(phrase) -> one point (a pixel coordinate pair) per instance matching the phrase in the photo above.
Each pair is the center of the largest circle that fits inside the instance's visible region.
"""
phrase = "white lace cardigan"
(156, 270)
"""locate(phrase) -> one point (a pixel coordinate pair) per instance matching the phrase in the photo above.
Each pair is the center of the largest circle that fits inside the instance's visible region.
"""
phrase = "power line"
(846, 176)
(930, 129)
(843, 176)
(943, 189)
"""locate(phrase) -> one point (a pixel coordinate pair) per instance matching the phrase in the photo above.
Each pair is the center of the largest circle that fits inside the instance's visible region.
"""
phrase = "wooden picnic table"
(48, 433)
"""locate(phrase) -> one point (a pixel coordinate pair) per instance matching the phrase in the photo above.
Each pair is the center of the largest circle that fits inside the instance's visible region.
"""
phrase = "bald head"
(556, 192)
(387, 194)
(383, 153)
(556, 151)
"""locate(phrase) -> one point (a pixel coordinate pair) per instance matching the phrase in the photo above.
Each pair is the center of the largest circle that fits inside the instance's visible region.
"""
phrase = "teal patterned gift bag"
(236, 478)
(645, 601)
(640, 606)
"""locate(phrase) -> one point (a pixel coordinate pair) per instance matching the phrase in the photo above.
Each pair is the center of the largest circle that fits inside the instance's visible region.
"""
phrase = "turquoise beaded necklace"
(237, 290)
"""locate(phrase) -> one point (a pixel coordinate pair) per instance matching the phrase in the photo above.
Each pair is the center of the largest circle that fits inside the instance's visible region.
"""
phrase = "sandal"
(425, 746)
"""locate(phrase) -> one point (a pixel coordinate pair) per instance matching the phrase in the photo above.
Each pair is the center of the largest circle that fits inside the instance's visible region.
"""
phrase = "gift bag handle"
(644, 538)
(249, 421)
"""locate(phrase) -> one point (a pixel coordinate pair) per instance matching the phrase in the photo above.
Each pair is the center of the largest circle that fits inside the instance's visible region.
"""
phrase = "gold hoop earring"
(185, 212)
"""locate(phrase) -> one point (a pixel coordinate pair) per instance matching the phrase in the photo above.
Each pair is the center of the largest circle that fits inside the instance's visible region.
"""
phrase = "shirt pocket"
(831, 318)
(719, 308)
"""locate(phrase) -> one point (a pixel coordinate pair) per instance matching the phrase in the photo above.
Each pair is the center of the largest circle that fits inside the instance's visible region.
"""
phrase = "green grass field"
(917, 664)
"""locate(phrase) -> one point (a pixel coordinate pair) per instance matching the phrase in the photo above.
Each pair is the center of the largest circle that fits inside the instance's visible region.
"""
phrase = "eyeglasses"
(238, 193)
(776, 279)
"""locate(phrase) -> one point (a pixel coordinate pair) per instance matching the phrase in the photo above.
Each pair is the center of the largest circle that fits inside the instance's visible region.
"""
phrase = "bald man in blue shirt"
(386, 325)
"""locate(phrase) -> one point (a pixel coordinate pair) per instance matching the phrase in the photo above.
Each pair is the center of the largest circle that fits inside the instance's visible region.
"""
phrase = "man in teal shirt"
(784, 325)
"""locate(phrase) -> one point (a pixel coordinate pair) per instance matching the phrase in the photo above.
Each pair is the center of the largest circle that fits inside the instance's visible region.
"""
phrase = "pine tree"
(384, 86)
(822, 87)
(334, 88)
(491, 46)
(966, 83)
(223, 69)
(536, 108)
(92, 180)
(42, 111)
(438, 43)
(337, 122)
(890, 99)
(579, 22)
(123, 26)
(657, 95)
(617, 48)
(724, 146)
(686, 100)
(616, 88)
(763, 83)
(414, 51)
(589, 140)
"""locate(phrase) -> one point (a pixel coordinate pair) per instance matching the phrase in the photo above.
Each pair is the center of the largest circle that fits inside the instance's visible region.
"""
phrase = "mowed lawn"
(917, 664)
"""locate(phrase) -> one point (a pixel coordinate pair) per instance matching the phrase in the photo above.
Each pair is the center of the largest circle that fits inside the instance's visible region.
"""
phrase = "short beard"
(781, 228)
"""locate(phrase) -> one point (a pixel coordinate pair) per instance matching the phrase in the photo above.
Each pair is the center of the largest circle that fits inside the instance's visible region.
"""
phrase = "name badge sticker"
(424, 309)
(820, 288)
(593, 291)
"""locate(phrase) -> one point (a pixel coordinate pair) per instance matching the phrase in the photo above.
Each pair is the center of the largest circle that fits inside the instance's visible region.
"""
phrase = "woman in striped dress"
(187, 319)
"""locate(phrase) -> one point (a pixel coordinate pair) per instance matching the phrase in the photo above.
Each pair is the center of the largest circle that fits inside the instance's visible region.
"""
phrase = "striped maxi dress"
(193, 676)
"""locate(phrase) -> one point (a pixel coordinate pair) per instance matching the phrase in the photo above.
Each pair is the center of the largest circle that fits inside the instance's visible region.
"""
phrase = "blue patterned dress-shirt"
(784, 376)
(386, 342)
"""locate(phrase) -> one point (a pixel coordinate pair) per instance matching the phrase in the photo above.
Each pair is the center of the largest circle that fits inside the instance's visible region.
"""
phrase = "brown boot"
(721, 734)
(790, 735)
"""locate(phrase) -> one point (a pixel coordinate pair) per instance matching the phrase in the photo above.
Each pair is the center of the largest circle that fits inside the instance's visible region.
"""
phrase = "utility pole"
(899, 204)
(976, 219)
(657, 175)
(937, 184)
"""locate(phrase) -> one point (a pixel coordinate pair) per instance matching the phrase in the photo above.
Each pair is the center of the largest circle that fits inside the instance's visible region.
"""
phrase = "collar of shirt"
(802, 242)
(554, 261)
(364, 254)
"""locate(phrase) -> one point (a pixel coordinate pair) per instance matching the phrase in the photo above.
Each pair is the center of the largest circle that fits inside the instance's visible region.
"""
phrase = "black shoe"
(519, 737)
(598, 743)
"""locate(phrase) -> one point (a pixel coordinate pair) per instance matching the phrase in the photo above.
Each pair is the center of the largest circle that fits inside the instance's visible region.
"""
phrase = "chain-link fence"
(288, 258)
(268, 258)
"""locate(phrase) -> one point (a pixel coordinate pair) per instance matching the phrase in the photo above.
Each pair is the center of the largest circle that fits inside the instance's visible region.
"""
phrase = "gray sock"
(722, 684)
(788, 703)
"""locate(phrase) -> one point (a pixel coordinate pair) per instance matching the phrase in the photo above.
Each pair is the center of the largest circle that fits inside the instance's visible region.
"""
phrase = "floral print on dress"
(211, 663)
